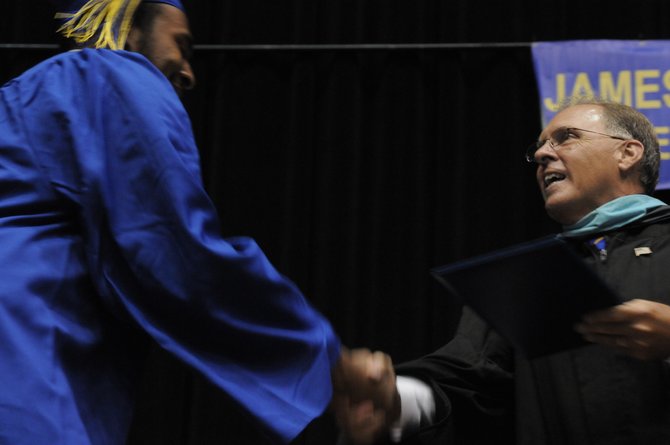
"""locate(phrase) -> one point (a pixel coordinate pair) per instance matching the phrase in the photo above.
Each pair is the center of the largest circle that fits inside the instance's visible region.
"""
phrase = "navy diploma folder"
(532, 293)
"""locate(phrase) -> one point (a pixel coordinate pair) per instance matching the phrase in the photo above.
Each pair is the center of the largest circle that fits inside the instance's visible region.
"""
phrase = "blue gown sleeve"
(124, 155)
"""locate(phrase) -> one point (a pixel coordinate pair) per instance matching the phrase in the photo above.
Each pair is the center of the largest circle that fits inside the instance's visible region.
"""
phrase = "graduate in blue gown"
(109, 241)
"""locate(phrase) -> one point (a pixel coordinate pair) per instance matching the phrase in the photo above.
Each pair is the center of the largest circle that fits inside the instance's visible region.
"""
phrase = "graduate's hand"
(365, 400)
(361, 422)
(638, 328)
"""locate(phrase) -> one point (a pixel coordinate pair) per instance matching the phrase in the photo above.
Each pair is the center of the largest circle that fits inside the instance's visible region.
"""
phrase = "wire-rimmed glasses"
(559, 137)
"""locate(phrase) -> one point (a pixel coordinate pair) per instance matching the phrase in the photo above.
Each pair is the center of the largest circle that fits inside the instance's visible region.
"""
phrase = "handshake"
(365, 400)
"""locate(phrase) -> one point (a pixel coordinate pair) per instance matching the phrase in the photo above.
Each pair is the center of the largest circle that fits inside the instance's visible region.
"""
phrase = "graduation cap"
(108, 21)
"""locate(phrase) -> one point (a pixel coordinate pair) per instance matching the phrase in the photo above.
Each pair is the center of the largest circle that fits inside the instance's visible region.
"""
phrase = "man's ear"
(134, 39)
(630, 155)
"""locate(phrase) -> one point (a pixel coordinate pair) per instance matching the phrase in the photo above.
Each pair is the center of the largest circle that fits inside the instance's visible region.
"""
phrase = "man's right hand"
(365, 400)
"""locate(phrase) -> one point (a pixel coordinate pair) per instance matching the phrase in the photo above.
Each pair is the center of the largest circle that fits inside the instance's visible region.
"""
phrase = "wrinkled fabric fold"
(108, 235)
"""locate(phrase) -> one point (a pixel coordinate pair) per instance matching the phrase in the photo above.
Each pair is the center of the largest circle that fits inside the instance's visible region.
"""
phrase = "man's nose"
(545, 153)
(186, 77)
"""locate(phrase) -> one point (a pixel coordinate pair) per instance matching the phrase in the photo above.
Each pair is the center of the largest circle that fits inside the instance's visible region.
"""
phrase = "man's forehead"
(587, 116)
(174, 22)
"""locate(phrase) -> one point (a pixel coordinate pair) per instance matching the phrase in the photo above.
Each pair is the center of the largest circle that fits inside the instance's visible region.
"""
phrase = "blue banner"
(633, 72)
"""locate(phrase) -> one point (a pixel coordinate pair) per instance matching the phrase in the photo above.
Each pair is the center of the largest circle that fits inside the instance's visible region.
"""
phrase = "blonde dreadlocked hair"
(108, 20)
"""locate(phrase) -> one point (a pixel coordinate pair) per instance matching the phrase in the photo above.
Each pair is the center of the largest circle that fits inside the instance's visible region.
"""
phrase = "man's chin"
(560, 211)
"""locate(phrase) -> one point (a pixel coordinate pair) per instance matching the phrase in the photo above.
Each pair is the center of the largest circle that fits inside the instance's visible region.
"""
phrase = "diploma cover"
(532, 293)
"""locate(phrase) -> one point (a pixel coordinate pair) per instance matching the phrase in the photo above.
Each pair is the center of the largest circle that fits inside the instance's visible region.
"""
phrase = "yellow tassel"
(100, 18)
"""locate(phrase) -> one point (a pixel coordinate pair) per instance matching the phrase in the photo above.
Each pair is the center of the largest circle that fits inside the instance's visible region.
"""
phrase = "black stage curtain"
(358, 169)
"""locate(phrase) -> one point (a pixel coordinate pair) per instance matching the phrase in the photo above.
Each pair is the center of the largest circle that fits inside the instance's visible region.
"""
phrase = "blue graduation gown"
(107, 235)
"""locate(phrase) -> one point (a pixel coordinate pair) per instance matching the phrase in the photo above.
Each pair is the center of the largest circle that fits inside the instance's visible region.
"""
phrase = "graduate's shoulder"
(98, 68)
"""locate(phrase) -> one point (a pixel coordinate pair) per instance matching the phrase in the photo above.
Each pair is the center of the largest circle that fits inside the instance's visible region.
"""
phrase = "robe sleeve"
(472, 381)
(123, 155)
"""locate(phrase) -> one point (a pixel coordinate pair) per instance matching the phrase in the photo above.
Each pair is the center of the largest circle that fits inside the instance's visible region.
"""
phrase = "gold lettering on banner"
(560, 94)
(663, 141)
(582, 85)
(666, 84)
(642, 87)
(620, 91)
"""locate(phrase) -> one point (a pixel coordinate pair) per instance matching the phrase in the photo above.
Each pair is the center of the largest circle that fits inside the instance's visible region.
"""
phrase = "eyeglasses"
(560, 136)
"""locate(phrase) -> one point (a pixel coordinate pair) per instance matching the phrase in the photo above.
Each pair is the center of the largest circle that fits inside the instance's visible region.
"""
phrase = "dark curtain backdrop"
(357, 170)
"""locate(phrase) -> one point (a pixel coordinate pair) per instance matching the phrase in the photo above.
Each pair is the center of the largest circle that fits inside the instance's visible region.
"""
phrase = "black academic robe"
(487, 393)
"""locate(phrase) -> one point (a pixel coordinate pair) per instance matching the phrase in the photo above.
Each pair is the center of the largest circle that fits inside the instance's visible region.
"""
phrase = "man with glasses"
(597, 164)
